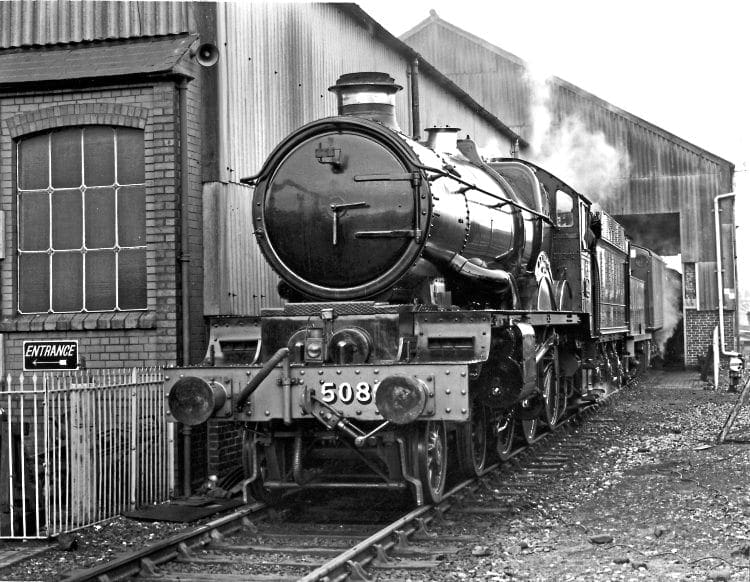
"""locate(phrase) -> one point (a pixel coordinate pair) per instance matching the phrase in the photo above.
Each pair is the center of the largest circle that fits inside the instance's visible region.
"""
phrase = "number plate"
(347, 392)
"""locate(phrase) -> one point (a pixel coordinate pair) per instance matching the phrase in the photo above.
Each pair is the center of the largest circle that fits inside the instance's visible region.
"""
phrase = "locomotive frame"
(470, 305)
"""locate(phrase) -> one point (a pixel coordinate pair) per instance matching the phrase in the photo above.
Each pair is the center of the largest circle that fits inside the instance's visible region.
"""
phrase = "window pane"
(33, 221)
(67, 274)
(66, 220)
(131, 216)
(99, 156)
(66, 158)
(100, 280)
(100, 218)
(33, 163)
(132, 272)
(33, 283)
(130, 156)
(564, 209)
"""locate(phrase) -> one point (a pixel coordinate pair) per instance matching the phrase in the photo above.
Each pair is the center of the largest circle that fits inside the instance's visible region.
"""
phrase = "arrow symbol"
(58, 362)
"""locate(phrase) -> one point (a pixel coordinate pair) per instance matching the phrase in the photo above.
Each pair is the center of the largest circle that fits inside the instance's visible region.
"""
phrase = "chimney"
(369, 95)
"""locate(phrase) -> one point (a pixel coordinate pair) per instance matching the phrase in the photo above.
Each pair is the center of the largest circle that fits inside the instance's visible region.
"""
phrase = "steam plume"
(672, 304)
(569, 149)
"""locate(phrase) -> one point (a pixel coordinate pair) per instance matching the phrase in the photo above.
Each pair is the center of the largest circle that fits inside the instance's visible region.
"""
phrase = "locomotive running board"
(536, 318)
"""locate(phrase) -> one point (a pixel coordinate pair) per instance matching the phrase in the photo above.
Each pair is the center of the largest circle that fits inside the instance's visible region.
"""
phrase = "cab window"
(564, 209)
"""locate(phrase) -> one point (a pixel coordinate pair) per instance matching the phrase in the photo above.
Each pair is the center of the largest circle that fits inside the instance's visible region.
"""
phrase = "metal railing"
(80, 447)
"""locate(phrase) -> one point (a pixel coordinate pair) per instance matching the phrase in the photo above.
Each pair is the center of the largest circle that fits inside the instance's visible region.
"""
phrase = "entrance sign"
(50, 355)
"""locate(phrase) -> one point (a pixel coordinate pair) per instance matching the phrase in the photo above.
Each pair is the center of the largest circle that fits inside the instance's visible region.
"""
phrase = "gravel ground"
(655, 500)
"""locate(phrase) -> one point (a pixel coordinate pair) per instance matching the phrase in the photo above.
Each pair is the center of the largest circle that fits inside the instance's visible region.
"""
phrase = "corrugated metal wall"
(476, 70)
(238, 281)
(24, 23)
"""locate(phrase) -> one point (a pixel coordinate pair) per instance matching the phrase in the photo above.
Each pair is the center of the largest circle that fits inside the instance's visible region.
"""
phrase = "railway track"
(335, 540)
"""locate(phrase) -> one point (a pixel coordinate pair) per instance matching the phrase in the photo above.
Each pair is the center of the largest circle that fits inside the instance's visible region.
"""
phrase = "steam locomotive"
(440, 308)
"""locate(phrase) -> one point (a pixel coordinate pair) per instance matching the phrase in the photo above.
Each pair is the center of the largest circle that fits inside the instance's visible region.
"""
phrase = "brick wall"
(149, 337)
(699, 329)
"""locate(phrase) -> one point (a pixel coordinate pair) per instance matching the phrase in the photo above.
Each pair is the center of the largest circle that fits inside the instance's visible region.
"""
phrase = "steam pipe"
(463, 267)
(719, 273)
(415, 122)
(255, 381)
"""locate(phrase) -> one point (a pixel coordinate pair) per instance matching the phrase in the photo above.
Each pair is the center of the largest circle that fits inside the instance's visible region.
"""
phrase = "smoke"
(493, 149)
(569, 149)
(672, 305)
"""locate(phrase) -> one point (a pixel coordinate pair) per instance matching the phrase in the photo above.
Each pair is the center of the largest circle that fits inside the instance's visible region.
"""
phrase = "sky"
(682, 66)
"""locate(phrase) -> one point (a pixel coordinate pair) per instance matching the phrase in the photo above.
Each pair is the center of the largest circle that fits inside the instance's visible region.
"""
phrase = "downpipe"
(719, 273)
(736, 361)
(184, 222)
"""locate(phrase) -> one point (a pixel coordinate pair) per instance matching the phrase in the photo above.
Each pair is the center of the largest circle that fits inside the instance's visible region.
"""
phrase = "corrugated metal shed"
(658, 172)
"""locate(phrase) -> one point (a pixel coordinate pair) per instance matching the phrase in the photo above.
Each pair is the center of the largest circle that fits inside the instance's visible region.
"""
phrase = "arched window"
(81, 220)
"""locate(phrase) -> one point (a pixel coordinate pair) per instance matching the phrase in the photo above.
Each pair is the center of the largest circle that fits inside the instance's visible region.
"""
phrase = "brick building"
(92, 198)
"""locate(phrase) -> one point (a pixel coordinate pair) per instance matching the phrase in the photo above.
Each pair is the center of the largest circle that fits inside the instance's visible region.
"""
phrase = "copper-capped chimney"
(370, 95)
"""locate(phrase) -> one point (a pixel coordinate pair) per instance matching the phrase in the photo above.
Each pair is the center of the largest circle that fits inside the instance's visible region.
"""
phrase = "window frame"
(117, 190)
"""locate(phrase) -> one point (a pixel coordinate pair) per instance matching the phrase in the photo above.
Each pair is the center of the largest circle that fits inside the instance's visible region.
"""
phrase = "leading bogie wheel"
(472, 442)
(432, 459)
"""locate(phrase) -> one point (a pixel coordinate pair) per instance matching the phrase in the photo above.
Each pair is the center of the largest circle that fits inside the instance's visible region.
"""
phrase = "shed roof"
(101, 59)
